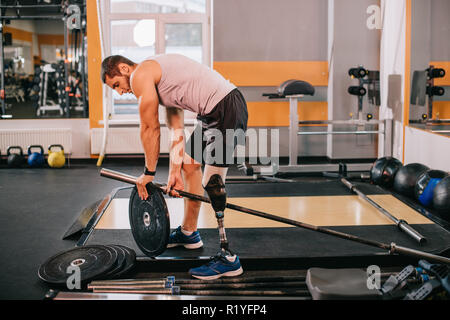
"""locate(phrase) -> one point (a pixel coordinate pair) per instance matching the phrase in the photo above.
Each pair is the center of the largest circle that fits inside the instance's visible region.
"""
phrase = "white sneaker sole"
(233, 273)
(187, 246)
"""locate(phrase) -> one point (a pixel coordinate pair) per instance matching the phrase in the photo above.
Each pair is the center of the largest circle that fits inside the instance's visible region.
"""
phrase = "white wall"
(79, 127)
(392, 61)
(428, 148)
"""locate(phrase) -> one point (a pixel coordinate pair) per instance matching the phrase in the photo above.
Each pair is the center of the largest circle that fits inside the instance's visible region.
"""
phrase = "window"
(158, 6)
(184, 38)
(139, 29)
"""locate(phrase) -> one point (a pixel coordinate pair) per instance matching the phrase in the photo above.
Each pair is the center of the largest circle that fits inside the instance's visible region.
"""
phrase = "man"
(179, 83)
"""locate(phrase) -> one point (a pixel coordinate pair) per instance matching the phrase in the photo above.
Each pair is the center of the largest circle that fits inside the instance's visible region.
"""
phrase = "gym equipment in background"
(441, 197)
(44, 104)
(15, 160)
(406, 178)
(297, 89)
(423, 87)
(433, 90)
(56, 159)
(425, 185)
(77, 61)
(415, 185)
(36, 159)
(384, 170)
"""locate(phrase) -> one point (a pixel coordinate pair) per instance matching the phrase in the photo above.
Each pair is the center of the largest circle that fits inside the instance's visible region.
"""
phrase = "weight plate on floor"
(130, 261)
(93, 261)
(120, 263)
(150, 222)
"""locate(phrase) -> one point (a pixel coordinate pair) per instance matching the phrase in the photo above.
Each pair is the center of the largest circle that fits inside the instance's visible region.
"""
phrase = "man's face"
(119, 83)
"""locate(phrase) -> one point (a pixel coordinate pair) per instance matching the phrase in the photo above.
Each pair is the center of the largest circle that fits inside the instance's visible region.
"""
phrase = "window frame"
(160, 20)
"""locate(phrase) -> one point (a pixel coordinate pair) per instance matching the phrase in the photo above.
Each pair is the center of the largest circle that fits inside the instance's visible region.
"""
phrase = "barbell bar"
(401, 224)
(391, 248)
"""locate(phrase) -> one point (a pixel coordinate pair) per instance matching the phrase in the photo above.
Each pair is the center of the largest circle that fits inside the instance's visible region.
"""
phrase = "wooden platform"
(315, 210)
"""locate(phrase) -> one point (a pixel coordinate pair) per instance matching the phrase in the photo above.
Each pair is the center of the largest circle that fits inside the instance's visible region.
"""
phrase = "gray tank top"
(190, 85)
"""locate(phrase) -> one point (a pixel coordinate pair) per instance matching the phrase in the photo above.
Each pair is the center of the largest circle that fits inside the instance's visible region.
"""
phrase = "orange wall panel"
(445, 81)
(19, 34)
(276, 114)
(273, 73)
(441, 109)
(94, 66)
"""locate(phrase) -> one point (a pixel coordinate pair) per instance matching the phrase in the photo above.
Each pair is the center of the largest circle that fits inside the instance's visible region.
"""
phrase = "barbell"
(145, 220)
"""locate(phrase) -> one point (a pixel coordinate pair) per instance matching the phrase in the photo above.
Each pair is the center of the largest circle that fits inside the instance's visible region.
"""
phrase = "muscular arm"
(144, 88)
(175, 122)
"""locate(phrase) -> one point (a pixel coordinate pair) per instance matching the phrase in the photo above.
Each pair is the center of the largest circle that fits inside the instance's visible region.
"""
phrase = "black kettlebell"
(36, 159)
(15, 160)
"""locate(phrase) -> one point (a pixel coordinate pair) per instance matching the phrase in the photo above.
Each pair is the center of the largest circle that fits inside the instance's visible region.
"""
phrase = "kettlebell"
(15, 160)
(36, 159)
(56, 159)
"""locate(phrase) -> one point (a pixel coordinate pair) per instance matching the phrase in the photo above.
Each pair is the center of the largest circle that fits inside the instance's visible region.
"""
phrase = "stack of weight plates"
(87, 263)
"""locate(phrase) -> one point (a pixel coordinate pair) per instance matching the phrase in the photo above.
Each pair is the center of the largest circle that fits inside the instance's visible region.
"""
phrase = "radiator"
(42, 137)
(124, 141)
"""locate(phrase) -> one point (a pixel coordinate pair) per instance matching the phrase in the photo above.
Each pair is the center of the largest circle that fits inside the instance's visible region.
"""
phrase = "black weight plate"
(130, 261)
(120, 263)
(149, 221)
(93, 262)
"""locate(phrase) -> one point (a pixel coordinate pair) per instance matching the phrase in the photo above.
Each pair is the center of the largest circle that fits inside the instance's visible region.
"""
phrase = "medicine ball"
(406, 178)
(441, 197)
(384, 170)
(425, 185)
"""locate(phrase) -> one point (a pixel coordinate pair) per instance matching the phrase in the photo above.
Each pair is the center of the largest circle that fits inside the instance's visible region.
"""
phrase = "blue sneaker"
(178, 238)
(219, 266)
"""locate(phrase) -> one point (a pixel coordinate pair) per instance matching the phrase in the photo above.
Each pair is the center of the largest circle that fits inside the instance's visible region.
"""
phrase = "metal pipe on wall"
(66, 67)
(83, 64)
(2, 76)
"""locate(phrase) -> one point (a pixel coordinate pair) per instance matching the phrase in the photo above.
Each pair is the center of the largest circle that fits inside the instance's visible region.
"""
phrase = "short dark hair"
(109, 66)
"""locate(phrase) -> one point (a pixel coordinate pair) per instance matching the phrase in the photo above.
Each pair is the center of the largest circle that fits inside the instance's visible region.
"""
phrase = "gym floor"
(39, 205)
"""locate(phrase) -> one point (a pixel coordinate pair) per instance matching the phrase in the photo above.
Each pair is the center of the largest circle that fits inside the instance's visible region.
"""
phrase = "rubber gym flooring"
(39, 205)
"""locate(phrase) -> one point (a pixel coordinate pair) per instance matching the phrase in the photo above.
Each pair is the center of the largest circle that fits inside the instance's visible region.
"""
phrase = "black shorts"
(215, 138)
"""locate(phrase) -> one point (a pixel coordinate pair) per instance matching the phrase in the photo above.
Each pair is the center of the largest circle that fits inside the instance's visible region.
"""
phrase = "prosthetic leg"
(224, 263)
(218, 196)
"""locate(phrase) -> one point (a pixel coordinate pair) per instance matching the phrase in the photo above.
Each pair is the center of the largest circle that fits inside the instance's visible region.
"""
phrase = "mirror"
(430, 66)
(44, 63)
